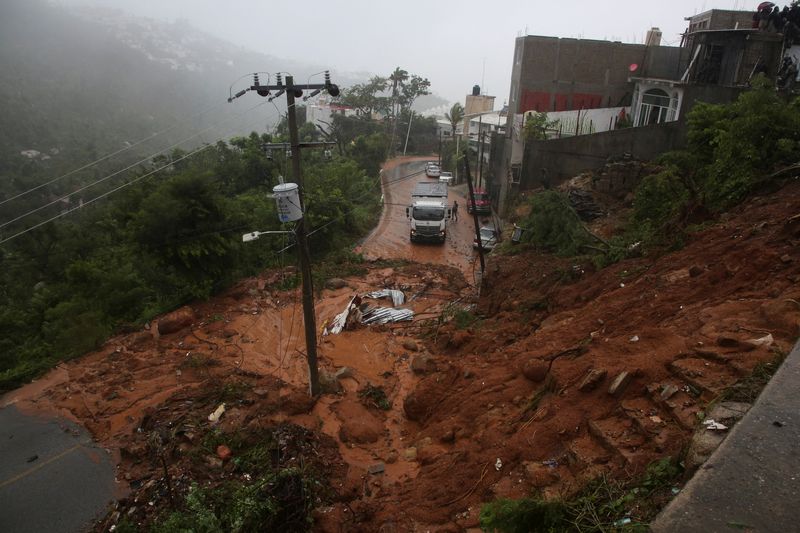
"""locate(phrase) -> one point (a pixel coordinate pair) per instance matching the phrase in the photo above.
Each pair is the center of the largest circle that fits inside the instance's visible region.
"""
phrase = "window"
(656, 107)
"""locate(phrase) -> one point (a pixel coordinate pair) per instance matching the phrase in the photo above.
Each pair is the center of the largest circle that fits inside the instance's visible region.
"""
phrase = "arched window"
(656, 107)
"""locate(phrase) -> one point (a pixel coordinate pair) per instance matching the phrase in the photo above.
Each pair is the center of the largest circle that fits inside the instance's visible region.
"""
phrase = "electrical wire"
(107, 193)
(129, 167)
(109, 156)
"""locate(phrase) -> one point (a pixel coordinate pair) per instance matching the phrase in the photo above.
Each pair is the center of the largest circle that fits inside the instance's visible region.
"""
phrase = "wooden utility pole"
(309, 316)
(293, 92)
(474, 212)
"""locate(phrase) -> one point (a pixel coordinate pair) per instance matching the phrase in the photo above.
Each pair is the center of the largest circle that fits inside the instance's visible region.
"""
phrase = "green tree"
(454, 117)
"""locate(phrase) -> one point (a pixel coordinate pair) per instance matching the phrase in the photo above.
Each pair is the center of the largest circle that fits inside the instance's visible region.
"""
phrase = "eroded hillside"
(557, 374)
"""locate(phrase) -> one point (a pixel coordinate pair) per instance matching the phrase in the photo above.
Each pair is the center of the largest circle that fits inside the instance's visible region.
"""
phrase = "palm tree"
(455, 116)
(398, 78)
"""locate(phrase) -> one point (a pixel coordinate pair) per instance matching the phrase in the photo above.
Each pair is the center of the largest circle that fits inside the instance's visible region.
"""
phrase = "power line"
(118, 172)
(109, 156)
(84, 204)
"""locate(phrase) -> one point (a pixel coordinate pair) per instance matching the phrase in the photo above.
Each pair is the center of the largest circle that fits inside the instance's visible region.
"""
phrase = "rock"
(468, 374)
(410, 454)
(620, 382)
(705, 441)
(449, 437)
(592, 380)
(176, 320)
(668, 392)
(377, 468)
(410, 345)
(540, 475)
(261, 392)
(786, 258)
(535, 370)
(702, 446)
(677, 275)
(695, 271)
(392, 457)
(297, 402)
(422, 364)
(229, 332)
(328, 383)
(344, 372)
(336, 283)
(223, 452)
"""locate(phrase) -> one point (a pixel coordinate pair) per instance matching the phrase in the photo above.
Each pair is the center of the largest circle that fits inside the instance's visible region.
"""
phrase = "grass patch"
(374, 396)
(603, 505)
(747, 389)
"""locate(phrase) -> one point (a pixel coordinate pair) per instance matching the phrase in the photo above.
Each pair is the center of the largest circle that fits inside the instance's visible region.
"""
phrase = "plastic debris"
(622, 521)
(713, 425)
(397, 297)
(552, 463)
(498, 465)
(675, 490)
(763, 341)
(217, 414)
(635, 338)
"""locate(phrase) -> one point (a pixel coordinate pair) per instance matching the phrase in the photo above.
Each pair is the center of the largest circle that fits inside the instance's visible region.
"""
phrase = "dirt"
(496, 408)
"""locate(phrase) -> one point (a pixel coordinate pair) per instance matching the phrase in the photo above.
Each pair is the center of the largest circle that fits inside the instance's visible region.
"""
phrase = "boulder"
(335, 283)
(535, 370)
(410, 345)
(620, 382)
(176, 320)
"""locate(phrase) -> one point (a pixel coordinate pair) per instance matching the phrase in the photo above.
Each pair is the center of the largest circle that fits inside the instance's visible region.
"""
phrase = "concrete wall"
(553, 74)
(567, 157)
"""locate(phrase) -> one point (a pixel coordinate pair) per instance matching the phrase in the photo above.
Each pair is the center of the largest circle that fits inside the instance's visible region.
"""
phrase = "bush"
(523, 516)
(554, 226)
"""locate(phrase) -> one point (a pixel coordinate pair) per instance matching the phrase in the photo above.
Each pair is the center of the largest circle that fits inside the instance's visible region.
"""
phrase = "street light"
(466, 122)
(254, 235)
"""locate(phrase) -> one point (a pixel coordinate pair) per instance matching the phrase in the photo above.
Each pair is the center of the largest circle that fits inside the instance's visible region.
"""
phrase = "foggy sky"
(446, 41)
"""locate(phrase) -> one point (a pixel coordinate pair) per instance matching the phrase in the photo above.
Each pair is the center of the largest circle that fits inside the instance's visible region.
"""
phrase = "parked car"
(446, 177)
(488, 238)
(483, 206)
(432, 170)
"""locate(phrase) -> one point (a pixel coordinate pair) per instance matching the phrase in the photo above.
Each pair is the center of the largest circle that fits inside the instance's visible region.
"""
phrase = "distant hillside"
(77, 84)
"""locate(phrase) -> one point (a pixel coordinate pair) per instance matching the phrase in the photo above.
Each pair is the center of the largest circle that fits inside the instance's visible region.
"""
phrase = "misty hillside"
(78, 84)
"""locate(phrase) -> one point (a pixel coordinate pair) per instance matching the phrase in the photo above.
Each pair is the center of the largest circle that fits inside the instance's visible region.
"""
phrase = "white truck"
(429, 212)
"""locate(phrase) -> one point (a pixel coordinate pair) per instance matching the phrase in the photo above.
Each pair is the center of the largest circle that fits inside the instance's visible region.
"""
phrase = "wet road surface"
(53, 477)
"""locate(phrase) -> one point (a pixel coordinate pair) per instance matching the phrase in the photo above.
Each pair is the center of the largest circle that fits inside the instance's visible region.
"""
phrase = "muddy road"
(390, 239)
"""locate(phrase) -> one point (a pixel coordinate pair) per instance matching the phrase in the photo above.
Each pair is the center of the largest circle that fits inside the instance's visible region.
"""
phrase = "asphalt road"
(52, 476)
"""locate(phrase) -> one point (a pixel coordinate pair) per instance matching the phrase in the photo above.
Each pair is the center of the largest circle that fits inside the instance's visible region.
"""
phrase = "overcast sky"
(446, 41)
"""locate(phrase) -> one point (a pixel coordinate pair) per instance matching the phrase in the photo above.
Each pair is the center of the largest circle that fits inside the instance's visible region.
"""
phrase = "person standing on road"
(455, 210)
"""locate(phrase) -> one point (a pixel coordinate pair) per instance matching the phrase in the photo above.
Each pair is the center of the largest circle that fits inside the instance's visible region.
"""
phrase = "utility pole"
(292, 92)
(474, 212)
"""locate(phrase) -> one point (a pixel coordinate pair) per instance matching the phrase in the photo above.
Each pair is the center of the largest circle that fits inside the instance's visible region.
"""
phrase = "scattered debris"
(550, 463)
(620, 382)
(498, 465)
(385, 315)
(215, 416)
(635, 338)
(713, 425)
(593, 378)
(397, 297)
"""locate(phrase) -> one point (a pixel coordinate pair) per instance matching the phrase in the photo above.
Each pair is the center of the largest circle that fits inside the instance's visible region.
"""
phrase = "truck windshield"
(428, 213)
(481, 197)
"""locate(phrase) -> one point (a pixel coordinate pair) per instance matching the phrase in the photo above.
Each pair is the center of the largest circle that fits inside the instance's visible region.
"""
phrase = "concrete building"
(572, 79)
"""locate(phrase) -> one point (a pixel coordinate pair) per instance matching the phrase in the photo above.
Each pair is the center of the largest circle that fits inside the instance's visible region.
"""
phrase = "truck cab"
(429, 212)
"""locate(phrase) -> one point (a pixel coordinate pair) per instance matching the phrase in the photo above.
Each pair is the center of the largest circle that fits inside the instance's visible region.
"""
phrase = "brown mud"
(518, 402)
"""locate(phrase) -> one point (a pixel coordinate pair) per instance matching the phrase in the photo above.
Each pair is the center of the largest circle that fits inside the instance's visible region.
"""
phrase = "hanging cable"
(129, 167)
(109, 156)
